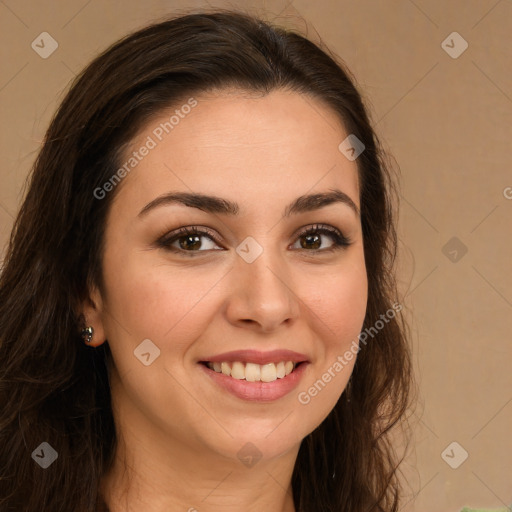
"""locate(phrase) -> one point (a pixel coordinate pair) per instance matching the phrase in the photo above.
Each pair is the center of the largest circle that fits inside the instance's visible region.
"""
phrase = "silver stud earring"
(87, 334)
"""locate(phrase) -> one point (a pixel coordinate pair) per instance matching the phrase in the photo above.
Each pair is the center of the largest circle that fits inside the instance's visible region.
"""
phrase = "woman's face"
(266, 275)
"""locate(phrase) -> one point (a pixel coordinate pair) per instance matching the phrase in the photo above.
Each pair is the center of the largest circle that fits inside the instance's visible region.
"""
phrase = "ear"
(93, 313)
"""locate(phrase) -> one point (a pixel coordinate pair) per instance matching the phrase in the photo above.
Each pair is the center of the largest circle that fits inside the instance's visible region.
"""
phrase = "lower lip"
(257, 391)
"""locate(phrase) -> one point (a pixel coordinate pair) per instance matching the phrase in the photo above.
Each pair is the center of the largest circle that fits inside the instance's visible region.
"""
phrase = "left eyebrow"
(213, 204)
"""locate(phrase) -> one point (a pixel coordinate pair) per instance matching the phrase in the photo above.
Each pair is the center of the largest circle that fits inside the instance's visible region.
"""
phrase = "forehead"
(232, 143)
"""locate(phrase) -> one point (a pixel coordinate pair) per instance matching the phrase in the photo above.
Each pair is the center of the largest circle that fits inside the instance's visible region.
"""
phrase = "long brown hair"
(55, 389)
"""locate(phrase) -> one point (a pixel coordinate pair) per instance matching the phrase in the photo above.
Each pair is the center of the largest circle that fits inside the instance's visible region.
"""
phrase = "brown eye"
(313, 239)
(189, 240)
(310, 241)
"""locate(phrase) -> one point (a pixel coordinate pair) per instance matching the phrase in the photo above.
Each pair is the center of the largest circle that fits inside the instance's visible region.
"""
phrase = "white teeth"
(225, 368)
(280, 370)
(254, 372)
(238, 371)
(268, 372)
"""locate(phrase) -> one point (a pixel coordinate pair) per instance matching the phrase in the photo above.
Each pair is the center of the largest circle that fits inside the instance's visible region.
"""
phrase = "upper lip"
(257, 357)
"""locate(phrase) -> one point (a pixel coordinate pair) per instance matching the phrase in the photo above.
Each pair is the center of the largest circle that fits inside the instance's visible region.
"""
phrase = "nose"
(261, 295)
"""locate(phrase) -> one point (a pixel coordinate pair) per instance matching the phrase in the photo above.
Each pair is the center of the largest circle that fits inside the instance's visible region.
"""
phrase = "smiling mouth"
(252, 372)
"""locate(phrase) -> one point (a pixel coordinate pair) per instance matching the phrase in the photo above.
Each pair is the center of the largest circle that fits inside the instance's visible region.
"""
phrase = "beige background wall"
(447, 121)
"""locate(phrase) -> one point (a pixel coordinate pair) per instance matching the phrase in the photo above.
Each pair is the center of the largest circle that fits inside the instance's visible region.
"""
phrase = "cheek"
(337, 314)
(158, 301)
(338, 305)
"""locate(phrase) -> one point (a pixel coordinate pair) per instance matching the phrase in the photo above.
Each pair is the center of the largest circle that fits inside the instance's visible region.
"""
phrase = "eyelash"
(340, 241)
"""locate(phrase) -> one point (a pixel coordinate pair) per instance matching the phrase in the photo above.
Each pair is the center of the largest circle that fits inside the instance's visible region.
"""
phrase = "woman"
(204, 252)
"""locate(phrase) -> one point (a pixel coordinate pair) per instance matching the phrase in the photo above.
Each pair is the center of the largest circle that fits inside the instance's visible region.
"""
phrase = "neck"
(196, 484)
